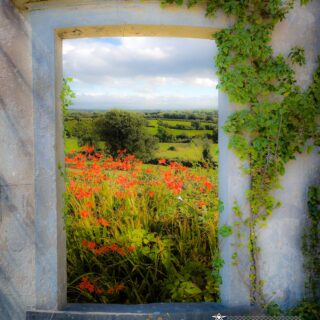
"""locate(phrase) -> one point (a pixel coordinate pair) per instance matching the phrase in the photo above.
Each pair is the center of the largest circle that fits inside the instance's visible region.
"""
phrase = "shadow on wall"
(17, 86)
(10, 13)
(10, 305)
(10, 300)
(17, 251)
(4, 108)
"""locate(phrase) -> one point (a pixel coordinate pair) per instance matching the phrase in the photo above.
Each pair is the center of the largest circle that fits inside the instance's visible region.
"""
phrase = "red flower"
(98, 290)
(87, 149)
(119, 287)
(151, 194)
(85, 213)
(122, 252)
(110, 290)
(208, 185)
(114, 247)
(103, 222)
(119, 195)
(89, 204)
(131, 248)
(91, 245)
(162, 161)
(85, 284)
(200, 204)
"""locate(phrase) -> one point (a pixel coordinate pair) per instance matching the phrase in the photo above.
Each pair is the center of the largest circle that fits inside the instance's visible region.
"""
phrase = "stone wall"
(32, 243)
(17, 237)
(281, 261)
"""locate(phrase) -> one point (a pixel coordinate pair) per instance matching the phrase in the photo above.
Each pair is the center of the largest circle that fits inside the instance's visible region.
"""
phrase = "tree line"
(120, 129)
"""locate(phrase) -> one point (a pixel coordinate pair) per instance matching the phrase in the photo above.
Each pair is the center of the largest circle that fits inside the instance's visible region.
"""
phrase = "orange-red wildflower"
(85, 284)
(85, 213)
(103, 222)
(91, 245)
(132, 248)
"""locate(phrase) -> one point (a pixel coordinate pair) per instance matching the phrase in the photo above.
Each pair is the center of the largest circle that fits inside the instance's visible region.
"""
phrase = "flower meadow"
(139, 233)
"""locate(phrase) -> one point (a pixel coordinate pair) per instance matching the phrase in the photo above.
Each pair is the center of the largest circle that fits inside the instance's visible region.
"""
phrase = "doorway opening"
(141, 137)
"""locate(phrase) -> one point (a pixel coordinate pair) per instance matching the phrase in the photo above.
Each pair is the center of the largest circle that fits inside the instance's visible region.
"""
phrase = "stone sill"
(152, 311)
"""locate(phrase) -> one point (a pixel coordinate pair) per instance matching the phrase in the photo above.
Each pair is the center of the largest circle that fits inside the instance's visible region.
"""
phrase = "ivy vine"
(279, 119)
(311, 245)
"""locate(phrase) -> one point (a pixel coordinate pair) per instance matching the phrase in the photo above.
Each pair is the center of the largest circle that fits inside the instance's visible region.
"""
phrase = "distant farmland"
(186, 144)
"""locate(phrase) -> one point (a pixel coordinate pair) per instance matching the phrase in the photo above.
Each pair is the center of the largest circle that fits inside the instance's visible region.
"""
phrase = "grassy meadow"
(142, 231)
(191, 151)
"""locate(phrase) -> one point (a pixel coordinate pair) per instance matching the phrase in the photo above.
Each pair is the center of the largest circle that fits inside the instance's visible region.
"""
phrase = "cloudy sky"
(141, 73)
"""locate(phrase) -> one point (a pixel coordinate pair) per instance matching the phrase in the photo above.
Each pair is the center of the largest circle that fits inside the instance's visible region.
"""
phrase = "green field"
(187, 147)
(72, 144)
(176, 132)
(184, 151)
(154, 122)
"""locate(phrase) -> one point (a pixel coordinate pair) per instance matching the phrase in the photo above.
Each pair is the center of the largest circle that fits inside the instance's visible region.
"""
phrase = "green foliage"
(220, 206)
(164, 135)
(206, 152)
(125, 130)
(307, 310)
(279, 120)
(177, 123)
(311, 245)
(297, 56)
(86, 134)
(66, 97)
(273, 310)
(225, 231)
(196, 124)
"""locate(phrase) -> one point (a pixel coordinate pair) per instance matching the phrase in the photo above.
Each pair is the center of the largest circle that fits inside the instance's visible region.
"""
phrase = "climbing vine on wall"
(279, 118)
(311, 244)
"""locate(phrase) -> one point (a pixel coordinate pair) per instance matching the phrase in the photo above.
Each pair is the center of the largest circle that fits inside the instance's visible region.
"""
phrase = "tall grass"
(139, 233)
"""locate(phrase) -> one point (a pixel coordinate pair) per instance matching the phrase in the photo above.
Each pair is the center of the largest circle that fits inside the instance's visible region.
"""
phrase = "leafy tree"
(125, 130)
(196, 125)
(66, 97)
(164, 135)
(86, 133)
(215, 134)
(206, 151)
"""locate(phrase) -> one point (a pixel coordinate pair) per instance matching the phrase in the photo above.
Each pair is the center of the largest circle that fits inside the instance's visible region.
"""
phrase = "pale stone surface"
(232, 187)
(151, 311)
(281, 261)
(17, 237)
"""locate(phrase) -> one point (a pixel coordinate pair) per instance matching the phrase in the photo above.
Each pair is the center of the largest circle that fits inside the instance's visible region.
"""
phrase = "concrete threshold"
(152, 311)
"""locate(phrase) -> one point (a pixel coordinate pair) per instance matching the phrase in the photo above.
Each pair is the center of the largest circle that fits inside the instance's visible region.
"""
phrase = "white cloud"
(67, 47)
(145, 101)
(141, 72)
(206, 82)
